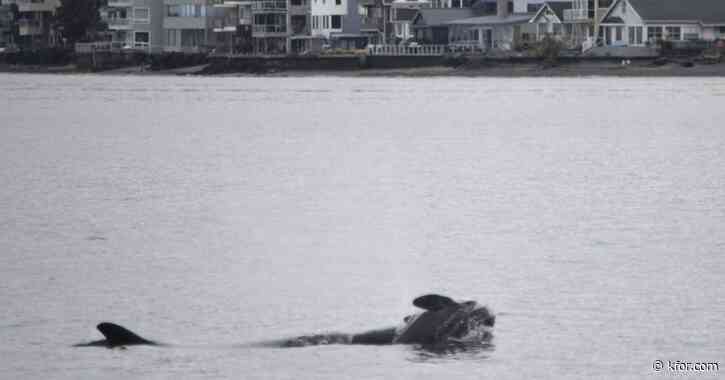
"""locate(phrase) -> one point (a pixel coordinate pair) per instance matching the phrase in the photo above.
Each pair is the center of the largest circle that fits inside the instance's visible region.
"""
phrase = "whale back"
(120, 336)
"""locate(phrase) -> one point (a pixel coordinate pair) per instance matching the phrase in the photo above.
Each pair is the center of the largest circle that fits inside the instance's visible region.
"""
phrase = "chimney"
(502, 8)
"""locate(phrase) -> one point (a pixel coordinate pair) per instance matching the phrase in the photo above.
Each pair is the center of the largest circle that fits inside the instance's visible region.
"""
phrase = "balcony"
(36, 5)
(269, 6)
(299, 7)
(118, 23)
(28, 27)
(269, 30)
(120, 3)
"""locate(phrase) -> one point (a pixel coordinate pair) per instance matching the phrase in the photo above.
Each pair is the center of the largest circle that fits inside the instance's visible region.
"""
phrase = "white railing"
(397, 50)
(270, 5)
(90, 47)
(118, 22)
(120, 3)
(269, 29)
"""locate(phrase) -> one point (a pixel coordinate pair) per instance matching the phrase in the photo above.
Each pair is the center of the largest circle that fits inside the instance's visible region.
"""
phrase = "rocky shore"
(644, 68)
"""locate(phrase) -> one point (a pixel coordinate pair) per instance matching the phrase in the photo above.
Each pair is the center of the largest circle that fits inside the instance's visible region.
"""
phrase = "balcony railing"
(35, 5)
(265, 29)
(397, 50)
(271, 5)
(120, 3)
(118, 22)
(27, 27)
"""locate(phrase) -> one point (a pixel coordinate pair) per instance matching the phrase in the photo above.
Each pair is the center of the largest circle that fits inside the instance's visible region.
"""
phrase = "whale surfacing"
(443, 321)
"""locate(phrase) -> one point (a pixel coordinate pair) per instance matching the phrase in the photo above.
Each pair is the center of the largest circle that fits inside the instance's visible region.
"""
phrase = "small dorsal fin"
(117, 335)
(433, 302)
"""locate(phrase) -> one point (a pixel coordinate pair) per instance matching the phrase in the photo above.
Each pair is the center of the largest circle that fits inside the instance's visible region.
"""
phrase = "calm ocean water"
(215, 213)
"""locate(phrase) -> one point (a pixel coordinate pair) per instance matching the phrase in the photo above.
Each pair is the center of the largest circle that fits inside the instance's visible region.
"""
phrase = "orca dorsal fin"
(433, 302)
(118, 336)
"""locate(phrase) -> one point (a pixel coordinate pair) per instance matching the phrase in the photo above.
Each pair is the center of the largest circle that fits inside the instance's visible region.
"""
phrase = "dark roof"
(558, 7)
(706, 11)
(440, 16)
(405, 14)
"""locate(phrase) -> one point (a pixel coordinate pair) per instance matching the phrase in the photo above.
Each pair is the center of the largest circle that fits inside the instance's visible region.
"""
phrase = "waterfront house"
(432, 26)
(136, 24)
(7, 26)
(34, 22)
(549, 20)
(404, 12)
(338, 22)
(501, 31)
(644, 22)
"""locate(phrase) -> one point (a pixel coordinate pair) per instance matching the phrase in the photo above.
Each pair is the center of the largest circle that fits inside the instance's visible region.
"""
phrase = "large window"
(654, 33)
(141, 15)
(141, 39)
(185, 10)
(618, 33)
(336, 22)
(173, 10)
(674, 33)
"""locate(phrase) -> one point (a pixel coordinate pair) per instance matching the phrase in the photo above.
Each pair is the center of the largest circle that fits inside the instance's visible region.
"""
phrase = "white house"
(642, 22)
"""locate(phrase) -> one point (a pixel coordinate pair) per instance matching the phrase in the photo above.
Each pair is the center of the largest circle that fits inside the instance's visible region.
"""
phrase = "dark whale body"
(117, 336)
(443, 322)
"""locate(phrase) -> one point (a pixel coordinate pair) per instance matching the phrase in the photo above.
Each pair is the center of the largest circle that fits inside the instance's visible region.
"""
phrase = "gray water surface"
(217, 213)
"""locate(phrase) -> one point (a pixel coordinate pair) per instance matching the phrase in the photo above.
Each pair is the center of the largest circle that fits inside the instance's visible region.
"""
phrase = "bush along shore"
(549, 62)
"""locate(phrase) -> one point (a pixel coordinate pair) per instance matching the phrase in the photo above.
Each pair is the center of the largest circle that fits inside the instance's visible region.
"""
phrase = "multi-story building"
(233, 27)
(34, 22)
(137, 24)
(403, 13)
(189, 25)
(339, 22)
(270, 26)
(7, 26)
(585, 17)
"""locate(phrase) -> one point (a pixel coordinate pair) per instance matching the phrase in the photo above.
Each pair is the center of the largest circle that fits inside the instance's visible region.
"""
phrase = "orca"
(117, 336)
(443, 322)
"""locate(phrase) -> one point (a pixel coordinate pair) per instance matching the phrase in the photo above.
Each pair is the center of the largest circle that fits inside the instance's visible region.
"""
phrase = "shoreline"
(502, 70)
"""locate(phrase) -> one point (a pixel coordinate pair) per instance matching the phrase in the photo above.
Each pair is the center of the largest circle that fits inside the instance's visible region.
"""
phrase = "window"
(141, 15)
(654, 33)
(557, 29)
(338, 2)
(141, 39)
(326, 22)
(618, 33)
(635, 35)
(171, 37)
(336, 22)
(624, 7)
(173, 11)
(674, 33)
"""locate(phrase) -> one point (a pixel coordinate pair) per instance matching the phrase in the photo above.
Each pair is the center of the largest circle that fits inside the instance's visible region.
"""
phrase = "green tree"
(76, 19)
